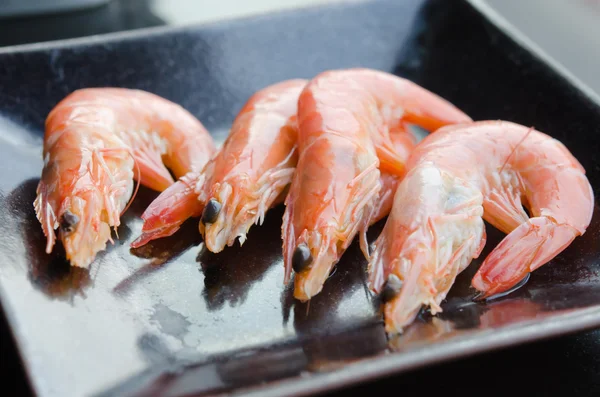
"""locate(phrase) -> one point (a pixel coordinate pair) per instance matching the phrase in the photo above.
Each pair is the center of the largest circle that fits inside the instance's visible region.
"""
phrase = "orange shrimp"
(345, 118)
(245, 178)
(251, 172)
(258, 133)
(460, 176)
(173, 206)
(94, 140)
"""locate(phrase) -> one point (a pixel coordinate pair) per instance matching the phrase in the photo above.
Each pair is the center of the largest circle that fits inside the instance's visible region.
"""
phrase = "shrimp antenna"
(516, 147)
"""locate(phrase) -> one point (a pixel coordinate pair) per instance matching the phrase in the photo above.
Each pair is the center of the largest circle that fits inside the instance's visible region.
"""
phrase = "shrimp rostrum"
(460, 176)
(96, 142)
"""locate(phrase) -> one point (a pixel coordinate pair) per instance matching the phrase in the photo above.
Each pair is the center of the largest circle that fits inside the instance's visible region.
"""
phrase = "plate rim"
(388, 363)
(523, 41)
(140, 33)
(481, 6)
(380, 366)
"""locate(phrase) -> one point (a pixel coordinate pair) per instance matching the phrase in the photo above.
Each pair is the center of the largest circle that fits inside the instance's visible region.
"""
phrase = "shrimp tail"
(526, 248)
(45, 214)
(390, 161)
(154, 174)
(165, 215)
(504, 210)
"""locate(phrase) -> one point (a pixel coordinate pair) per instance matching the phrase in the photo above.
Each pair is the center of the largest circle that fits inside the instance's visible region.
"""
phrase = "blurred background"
(548, 23)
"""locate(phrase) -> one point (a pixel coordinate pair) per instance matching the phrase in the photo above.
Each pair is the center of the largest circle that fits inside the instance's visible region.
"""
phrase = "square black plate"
(172, 319)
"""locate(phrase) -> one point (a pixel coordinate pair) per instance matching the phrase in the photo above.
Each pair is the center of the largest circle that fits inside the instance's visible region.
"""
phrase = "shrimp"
(245, 178)
(94, 140)
(345, 118)
(460, 176)
(252, 171)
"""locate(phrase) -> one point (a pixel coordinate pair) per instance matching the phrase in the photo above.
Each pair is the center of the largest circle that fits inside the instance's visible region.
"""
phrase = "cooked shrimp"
(246, 177)
(345, 118)
(94, 141)
(255, 166)
(460, 176)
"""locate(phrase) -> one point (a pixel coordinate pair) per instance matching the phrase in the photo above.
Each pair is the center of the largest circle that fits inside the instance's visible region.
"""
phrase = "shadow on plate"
(231, 273)
(50, 273)
(159, 252)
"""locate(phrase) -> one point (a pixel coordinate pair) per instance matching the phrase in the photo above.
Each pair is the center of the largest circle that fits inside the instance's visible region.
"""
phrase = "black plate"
(174, 320)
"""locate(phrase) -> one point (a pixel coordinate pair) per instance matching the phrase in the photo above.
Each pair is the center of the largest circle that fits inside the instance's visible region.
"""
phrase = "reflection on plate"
(173, 318)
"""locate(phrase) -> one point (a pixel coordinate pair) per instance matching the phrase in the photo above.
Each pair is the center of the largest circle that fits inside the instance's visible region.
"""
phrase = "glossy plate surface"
(171, 319)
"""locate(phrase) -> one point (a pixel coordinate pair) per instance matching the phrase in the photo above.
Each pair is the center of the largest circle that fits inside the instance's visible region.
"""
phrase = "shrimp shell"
(459, 177)
(94, 140)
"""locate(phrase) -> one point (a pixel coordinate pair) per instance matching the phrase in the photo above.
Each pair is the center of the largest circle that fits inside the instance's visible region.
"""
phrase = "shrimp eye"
(302, 258)
(391, 288)
(211, 211)
(68, 221)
